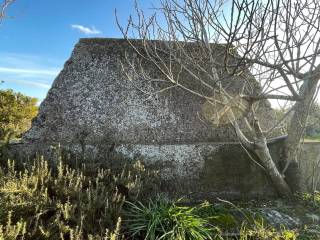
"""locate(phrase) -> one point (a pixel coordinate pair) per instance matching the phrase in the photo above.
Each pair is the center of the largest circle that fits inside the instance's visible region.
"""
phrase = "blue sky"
(39, 35)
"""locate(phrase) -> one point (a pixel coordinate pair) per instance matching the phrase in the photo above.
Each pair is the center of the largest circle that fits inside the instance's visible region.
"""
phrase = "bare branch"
(255, 51)
(3, 8)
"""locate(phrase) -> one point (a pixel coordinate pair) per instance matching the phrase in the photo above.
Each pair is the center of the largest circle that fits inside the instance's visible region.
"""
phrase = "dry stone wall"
(92, 99)
(93, 105)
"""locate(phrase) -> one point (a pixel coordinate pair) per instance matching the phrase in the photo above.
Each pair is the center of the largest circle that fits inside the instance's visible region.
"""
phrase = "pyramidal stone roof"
(92, 99)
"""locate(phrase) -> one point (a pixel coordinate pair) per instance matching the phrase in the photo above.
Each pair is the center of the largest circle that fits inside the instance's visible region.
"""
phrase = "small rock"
(278, 219)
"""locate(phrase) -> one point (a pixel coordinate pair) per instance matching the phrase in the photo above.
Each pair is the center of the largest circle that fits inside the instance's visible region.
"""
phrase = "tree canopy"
(16, 113)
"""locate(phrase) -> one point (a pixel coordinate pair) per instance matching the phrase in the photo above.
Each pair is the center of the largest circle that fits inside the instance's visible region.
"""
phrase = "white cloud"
(86, 30)
(29, 74)
(29, 83)
(29, 71)
(27, 61)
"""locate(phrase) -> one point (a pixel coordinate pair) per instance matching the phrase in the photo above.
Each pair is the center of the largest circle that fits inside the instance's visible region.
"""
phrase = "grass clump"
(168, 220)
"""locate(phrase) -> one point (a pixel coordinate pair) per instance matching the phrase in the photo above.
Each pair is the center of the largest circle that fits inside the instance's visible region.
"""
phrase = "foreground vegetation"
(63, 202)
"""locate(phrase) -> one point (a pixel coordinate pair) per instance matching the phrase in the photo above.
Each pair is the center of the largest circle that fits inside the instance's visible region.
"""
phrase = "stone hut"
(92, 103)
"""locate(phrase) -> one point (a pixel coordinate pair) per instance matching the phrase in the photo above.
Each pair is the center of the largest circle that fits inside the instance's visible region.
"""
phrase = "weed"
(165, 219)
(260, 231)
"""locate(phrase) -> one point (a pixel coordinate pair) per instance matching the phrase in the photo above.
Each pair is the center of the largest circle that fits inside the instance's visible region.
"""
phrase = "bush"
(165, 219)
(64, 203)
(260, 231)
(309, 199)
(16, 113)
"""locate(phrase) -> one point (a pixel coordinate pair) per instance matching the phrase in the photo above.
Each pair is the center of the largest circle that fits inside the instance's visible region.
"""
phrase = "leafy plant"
(40, 202)
(311, 199)
(165, 219)
(261, 231)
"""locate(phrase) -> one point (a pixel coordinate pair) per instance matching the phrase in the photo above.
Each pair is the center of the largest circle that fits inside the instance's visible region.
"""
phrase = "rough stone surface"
(199, 170)
(309, 161)
(92, 105)
(92, 100)
(278, 219)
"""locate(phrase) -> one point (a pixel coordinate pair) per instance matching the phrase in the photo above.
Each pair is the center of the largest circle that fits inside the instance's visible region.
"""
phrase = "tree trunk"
(262, 151)
(260, 148)
(295, 134)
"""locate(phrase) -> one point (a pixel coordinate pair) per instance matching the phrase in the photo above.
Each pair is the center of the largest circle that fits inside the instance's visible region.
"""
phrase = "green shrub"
(261, 231)
(165, 219)
(16, 113)
(309, 199)
(64, 203)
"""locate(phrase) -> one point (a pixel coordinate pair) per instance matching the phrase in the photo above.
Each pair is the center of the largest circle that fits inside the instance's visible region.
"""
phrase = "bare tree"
(3, 8)
(207, 41)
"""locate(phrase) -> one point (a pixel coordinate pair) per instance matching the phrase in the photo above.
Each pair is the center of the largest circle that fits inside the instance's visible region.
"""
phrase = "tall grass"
(64, 203)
